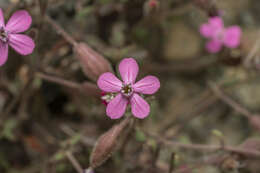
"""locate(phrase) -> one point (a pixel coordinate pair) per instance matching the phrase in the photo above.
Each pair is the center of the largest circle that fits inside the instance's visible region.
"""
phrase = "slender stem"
(74, 162)
(204, 147)
(61, 31)
(221, 95)
(172, 163)
(252, 52)
(59, 81)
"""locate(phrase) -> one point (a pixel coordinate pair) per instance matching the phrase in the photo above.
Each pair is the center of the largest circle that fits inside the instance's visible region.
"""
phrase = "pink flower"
(19, 22)
(219, 35)
(128, 91)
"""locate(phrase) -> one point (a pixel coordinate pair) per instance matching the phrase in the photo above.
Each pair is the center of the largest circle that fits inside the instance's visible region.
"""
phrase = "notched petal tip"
(128, 69)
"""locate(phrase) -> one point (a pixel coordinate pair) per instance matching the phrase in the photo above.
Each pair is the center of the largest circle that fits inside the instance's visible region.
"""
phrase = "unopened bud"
(107, 144)
(93, 64)
(151, 6)
(255, 121)
(153, 3)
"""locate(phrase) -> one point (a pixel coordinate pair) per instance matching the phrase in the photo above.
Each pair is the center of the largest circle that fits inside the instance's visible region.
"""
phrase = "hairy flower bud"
(93, 64)
(107, 144)
(151, 7)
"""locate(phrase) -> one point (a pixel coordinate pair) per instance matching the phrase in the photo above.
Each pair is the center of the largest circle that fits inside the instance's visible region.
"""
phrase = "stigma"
(3, 35)
(127, 90)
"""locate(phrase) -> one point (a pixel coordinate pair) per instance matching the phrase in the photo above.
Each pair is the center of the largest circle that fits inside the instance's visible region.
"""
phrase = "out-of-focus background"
(42, 120)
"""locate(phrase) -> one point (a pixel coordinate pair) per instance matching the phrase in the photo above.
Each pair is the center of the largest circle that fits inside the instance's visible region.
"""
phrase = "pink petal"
(128, 69)
(205, 30)
(108, 82)
(140, 108)
(116, 107)
(2, 19)
(213, 28)
(232, 36)
(3, 53)
(20, 21)
(21, 43)
(216, 22)
(213, 46)
(147, 85)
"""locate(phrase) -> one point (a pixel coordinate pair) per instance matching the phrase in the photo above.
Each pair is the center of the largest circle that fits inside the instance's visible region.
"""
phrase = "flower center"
(127, 90)
(3, 35)
(220, 35)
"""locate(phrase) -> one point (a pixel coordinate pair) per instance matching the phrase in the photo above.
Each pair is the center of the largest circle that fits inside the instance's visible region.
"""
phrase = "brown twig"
(16, 100)
(221, 95)
(61, 31)
(182, 66)
(74, 162)
(203, 147)
(59, 81)
(87, 88)
(172, 163)
(84, 139)
(252, 52)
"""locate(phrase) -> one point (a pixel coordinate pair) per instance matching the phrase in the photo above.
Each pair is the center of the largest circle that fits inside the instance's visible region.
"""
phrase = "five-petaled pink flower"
(128, 91)
(219, 35)
(19, 22)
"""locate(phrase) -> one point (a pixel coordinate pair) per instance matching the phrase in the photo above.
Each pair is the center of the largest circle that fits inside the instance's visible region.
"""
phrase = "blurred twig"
(87, 87)
(252, 52)
(220, 94)
(203, 147)
(182, 66)
(74, 162)
(59, 81)
(61, 31)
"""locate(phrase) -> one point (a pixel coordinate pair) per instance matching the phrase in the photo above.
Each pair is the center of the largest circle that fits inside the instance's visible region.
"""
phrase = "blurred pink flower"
(128, 91)
(219, 35)
(19, 22)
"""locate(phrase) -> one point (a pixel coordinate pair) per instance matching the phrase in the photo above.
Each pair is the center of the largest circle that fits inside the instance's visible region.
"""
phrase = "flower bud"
(93, 64)
(106, 144)
(151, 6)
(255, 121)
